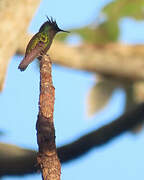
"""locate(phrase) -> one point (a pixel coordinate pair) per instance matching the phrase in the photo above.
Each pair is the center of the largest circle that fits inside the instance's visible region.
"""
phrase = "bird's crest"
(50, 22)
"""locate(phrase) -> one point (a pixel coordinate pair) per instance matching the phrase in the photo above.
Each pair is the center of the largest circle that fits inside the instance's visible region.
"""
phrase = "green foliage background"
(108, 30)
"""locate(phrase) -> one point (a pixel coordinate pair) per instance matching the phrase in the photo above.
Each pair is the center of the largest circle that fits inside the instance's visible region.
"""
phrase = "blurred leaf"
(134, 95)
(123, 8)
(99, 95)
(108, 31)
(87, 34)
(61, 36)
(139, 91)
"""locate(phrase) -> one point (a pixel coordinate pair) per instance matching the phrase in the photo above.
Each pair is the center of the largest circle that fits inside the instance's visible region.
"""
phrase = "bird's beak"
(60, 30)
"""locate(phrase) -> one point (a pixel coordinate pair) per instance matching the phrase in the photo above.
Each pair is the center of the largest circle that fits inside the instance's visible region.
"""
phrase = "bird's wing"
(30, 56)
(32, 43)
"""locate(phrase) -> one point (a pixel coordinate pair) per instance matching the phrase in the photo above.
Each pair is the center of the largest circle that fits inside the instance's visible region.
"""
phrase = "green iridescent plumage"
(40, 42)
(39, 37)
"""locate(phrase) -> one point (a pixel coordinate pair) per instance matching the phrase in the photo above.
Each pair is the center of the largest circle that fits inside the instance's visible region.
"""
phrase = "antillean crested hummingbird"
(41, 41)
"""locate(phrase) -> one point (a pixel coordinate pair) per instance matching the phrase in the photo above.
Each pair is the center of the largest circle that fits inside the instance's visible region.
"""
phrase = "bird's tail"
(28, 59)
(23, 65)
(34, 53)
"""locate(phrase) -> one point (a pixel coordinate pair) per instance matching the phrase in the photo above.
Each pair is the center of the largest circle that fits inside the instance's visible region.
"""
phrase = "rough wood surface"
(47, 156)
(15, 17)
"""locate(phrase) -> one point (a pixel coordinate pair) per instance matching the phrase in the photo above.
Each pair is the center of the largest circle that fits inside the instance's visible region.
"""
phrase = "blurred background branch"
(18, 161)
(103, 59)
(15, 17)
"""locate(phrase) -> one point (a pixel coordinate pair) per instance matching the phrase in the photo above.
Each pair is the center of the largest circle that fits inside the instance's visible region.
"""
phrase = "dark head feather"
(50, 22)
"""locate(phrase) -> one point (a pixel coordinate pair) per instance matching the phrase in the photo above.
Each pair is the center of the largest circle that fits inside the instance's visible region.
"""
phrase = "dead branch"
(47, 156)
(102, 135)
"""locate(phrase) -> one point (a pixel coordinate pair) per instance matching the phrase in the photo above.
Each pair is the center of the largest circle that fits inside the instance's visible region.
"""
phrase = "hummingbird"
(40, 42)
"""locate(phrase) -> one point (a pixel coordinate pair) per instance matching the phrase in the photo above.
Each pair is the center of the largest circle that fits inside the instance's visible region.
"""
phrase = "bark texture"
(47, 156)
